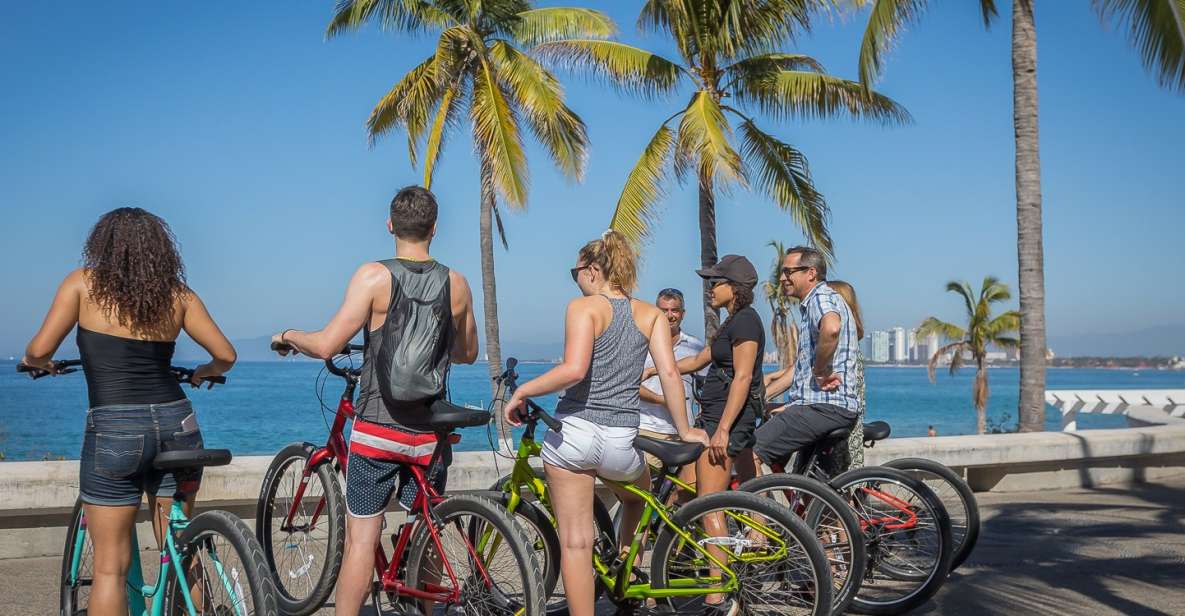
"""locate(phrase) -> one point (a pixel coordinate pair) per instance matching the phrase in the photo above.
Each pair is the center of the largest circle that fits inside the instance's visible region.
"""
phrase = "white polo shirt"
(655, 417)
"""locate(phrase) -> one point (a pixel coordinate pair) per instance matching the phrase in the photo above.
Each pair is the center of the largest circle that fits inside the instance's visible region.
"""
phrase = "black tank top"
(127, 371)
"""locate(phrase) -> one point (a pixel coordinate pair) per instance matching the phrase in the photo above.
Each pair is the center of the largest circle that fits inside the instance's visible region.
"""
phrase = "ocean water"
(266, 405)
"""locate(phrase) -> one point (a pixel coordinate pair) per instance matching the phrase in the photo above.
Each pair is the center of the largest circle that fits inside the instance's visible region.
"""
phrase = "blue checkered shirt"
(805, 390)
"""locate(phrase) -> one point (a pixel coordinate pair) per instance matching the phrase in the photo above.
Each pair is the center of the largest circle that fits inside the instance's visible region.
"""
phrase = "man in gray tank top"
(371, 481)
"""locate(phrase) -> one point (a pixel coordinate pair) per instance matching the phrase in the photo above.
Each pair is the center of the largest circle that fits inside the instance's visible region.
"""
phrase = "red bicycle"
(454, 550)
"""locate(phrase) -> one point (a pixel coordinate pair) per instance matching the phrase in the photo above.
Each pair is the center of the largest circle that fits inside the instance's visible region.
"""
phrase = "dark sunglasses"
(671, 291)
(790, 271)
(715, 282)
(576, 271)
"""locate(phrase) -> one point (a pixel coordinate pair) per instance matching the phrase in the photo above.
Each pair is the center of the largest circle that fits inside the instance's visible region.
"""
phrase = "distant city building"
(911, 343)
(866, 347)
(898, 352)
(933, 344)
(880, 347)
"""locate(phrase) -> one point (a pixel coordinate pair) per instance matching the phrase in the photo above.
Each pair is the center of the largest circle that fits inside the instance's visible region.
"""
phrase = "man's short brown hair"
(413, 213)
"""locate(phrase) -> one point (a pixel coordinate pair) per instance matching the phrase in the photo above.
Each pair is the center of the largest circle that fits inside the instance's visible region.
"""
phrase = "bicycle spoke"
(218, 580)
(488, 586)
(299, 550)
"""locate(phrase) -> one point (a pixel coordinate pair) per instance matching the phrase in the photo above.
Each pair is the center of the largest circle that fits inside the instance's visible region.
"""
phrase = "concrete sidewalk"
(1085, 552)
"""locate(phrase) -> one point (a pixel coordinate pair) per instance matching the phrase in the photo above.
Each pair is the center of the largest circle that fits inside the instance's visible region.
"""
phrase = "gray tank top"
(608, 394)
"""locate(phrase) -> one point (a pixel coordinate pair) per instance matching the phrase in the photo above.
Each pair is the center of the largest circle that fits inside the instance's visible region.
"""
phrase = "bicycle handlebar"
(66, 366)
(534, 411)
(61, 366)
(345, 373)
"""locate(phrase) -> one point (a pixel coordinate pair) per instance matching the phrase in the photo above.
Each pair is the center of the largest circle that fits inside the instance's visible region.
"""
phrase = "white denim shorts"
(585, 446)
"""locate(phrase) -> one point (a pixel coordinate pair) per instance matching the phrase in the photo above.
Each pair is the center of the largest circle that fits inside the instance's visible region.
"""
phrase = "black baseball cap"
(733, 268)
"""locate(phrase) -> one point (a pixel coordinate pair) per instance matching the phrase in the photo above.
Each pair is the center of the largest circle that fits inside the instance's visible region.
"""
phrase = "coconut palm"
(732, 62)
(982, 330)
(779, 304)
(476, 69)
(1155, 27)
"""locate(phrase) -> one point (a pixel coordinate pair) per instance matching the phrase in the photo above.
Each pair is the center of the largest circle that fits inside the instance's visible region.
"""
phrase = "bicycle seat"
(838, 433)
(876, 431)
(672, 453)
(190, 459)
(446, 416)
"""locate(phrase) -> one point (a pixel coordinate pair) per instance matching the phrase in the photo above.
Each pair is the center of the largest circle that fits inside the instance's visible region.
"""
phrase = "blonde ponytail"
(616, 259)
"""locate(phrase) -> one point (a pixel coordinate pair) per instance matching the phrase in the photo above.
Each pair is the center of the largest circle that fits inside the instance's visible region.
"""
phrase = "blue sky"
(244, 128)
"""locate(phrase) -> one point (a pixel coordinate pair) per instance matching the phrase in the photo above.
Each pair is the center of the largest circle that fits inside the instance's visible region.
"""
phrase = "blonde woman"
(856, 440)
(607, 334)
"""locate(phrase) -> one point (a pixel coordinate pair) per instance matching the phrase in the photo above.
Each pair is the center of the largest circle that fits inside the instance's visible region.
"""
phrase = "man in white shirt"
(655, 421)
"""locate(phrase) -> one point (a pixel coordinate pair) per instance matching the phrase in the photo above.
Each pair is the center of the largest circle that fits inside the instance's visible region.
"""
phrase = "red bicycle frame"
(336, 450)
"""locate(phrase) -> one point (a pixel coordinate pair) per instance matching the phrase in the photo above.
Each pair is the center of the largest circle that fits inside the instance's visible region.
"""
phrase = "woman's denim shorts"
(120, 443)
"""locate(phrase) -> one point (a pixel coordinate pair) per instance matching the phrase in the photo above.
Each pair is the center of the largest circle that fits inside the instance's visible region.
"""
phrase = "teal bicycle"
(210, 565)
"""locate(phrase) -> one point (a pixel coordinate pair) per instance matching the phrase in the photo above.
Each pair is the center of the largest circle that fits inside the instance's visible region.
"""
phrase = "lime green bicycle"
(767, 560)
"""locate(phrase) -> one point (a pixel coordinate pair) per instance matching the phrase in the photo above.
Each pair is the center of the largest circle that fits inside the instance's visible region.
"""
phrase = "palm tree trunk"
(489, 289)
(1030, 252)
(980, 397)
(707, 249)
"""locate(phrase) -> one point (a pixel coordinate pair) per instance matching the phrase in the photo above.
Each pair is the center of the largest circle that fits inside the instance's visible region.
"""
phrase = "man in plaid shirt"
(823, 394)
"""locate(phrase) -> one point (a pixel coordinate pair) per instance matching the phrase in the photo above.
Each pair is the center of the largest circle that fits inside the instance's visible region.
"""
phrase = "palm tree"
(779, 304)
(476, 69)
(731, 59)
(982, 330)
(1155, 27)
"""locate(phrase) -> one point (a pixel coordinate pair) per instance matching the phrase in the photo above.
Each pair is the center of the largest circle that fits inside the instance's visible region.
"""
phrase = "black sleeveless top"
(127, 371)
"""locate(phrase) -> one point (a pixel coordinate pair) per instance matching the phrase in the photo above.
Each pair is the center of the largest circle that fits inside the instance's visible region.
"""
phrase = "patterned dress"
(856, 440)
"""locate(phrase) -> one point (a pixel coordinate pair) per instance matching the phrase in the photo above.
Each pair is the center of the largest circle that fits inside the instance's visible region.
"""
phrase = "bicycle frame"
(170, 564)
(523, 475)
(336, 450)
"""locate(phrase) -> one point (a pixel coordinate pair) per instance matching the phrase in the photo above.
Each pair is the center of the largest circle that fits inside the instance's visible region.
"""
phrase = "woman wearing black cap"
(733, 394)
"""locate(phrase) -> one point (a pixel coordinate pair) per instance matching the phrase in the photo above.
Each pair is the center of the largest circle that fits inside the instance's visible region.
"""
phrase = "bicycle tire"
(823, 499)
(933, 578)
(803, 538)
(197, 536)
(537, 523)
(605, 541)
(293, 602)
(72, 601)
(964, 523)
(529, 574)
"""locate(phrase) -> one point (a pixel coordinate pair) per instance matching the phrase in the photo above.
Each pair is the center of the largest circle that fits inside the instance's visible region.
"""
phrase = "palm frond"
(949, 331)
(408, 104)
(1006, 342)
(398, 15)
(643, 188)
(768, 64)
(805, 94)
(994, 291)
(1156, 28)
(703, 140)
(886, 20)
(1005, 323)
(987, 8)
(556, 23)
(956, 360)
(627, 68)
(495, 133)
(676, 18)
(541, 97)
(963, 289)
(447, 119)
(782, 172)
(746, 27)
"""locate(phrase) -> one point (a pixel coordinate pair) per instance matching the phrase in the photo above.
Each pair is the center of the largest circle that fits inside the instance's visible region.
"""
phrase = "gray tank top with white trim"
(608, 394)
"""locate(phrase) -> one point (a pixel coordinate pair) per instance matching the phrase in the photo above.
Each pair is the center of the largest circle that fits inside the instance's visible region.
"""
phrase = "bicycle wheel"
(834, 523)
(907, 534)
(225, 567)
(76, 582)
(499, 581)
(604, 543)
(779, 565)
(304, 557)
(955, 495)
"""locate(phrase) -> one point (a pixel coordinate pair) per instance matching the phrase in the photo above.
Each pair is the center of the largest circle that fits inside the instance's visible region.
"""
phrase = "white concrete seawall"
(36, 497)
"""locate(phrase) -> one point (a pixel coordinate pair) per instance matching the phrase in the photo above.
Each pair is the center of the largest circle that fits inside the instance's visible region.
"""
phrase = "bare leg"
(711, 478)
(572, 496)
(111, 531)
(357, 572)
(631, 509)
(748, 465)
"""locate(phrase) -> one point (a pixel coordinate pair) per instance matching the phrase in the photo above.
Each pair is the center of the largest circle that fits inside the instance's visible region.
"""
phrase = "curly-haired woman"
(129, 301)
